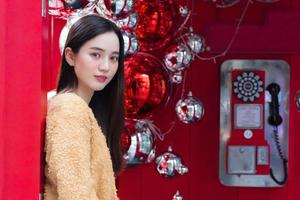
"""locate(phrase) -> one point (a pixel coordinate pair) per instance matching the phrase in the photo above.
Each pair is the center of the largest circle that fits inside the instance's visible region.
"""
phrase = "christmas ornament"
(138, 140)
(115, 8)
(176, 77)
(183, 10)
(147, 86)
(131, 45)
(177, 196)
(189, 110)
(177, 57)
(65, 8)
(194, 42)
(158, 21)
(169, 164)
(225, 3)
(297, 100)
(128, 22)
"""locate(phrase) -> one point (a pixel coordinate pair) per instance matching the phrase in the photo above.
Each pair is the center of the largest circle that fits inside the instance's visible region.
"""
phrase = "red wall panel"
(20, 98)
(2, 67)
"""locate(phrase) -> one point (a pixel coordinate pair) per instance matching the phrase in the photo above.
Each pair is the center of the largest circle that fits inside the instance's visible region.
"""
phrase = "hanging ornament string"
(182, 38)
(161, 135)
(183, 84)
(224, 53)
(154, 129)
(158, 133)
(233, 38)
(182, 26)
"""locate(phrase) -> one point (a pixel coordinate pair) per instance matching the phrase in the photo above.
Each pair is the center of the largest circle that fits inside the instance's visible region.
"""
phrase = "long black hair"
(107, 104)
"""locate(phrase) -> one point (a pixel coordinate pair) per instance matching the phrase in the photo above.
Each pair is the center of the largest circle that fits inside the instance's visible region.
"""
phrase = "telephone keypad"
(248, 86)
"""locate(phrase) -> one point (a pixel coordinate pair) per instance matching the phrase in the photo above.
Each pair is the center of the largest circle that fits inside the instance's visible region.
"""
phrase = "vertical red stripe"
(2, 81)
(20, 99)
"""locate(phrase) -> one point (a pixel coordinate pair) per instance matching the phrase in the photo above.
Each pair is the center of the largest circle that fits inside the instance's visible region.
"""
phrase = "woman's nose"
(104, 64)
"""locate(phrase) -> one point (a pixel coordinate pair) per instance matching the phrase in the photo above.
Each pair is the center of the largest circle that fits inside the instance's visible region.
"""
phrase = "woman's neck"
(86, 95)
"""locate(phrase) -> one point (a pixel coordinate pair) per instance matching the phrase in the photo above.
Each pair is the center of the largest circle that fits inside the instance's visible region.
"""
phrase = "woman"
(85, 118)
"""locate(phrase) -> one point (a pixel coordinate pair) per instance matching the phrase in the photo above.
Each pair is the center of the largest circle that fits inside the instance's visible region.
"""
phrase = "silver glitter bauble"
(297, 100)
(169, 164)
(63, 9)
(176, 77)
(178, 57)
(189, 110)
(177, 196)
(142, 146)
(128, 22)
(195, 43)
(131, 44)
(183, 10)
(115, 8)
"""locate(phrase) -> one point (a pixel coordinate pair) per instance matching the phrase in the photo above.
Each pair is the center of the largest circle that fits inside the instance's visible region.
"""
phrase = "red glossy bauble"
(158, 21)
(147, 85)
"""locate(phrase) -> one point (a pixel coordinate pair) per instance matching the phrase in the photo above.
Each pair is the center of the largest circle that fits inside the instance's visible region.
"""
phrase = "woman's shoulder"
(66, 97)
(67, 102)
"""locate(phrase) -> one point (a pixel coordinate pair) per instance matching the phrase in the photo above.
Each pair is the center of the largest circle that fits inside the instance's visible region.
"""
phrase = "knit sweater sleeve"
(68, 150)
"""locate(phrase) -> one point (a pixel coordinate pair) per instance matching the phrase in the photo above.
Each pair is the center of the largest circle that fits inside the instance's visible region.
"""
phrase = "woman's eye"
(96, 55)
(115, 58)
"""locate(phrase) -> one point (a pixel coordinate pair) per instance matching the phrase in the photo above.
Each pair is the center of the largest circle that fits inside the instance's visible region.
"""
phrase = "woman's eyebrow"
(100, 49)
(97, 48)
(115, 52)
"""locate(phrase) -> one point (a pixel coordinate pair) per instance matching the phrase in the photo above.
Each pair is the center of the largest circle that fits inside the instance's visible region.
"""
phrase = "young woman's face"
(96, 63)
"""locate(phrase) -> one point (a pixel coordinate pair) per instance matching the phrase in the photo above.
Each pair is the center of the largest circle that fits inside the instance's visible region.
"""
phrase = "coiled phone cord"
(284, 160)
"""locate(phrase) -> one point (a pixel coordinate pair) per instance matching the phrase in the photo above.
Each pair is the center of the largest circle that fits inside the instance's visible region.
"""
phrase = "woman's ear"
(70, 56)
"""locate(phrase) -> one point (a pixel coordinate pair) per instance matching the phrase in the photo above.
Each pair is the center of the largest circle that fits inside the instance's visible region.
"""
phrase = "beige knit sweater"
(78, 162)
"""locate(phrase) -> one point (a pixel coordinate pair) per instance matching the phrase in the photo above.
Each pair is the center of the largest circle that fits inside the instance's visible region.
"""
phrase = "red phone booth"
(29, 59)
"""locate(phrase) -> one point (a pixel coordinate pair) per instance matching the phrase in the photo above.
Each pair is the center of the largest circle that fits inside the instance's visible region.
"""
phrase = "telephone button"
(248, 134)
(262, 155)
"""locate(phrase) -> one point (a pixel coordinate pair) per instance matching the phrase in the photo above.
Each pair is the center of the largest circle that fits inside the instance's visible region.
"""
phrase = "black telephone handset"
(275, 120)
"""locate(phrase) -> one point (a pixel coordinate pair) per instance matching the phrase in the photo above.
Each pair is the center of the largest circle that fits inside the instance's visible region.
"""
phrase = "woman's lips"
(101, 79)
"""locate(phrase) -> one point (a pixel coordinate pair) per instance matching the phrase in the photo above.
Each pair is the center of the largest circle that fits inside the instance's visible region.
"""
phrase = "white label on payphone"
(248, 116)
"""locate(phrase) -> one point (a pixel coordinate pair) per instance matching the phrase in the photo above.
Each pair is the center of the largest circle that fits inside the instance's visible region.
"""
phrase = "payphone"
(254, 116)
